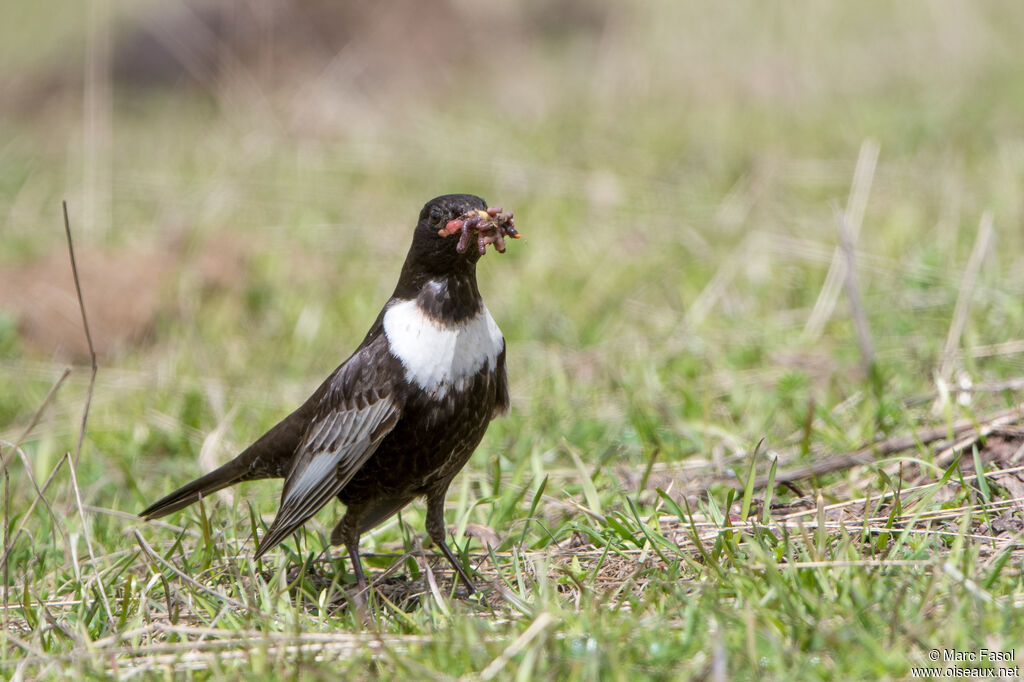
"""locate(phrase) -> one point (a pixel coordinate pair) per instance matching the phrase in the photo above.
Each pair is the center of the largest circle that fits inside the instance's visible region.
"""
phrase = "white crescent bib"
(438, 357)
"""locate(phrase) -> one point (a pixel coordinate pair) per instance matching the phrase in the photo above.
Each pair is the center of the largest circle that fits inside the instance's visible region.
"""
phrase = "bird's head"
(454, 230)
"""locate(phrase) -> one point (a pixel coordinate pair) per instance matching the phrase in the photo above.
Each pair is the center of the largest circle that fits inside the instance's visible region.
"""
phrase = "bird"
(401, 416)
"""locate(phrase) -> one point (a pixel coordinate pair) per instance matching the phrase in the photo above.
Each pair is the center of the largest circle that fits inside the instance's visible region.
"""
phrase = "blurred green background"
(243, 177)
(248, 173)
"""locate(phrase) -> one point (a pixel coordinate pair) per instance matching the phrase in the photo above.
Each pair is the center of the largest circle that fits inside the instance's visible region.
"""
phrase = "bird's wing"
(346, 431)
(501, 402)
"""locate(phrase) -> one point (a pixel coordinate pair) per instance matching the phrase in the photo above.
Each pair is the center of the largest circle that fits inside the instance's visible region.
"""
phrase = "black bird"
(402, 415)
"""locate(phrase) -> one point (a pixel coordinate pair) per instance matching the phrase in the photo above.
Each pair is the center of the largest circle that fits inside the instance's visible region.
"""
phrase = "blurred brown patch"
(308, 50)
(204, 42)
(121, 293)
(124, 291)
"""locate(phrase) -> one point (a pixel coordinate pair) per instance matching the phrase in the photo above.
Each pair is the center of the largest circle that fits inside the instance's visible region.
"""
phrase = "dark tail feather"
(230, 473)
(268, 457)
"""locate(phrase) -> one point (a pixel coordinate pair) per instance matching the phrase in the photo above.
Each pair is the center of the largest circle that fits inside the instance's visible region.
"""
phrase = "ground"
(721, 461)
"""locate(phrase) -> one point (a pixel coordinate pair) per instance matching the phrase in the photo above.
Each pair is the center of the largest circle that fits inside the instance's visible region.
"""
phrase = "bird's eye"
(435, 214)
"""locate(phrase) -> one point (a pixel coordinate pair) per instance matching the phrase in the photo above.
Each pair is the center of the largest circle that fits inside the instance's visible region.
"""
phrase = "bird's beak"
(489, 227)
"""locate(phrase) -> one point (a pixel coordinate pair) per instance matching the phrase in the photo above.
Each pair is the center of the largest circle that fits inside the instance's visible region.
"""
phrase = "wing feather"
(335, 446)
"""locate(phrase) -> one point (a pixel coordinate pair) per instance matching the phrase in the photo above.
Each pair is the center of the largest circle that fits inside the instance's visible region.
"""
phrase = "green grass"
(674, 181)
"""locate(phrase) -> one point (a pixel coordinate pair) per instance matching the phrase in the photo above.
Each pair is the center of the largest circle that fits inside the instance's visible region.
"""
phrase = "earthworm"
(490, 226)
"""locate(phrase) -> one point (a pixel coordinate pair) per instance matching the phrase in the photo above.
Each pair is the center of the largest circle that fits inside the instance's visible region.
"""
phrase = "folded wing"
(343, 435)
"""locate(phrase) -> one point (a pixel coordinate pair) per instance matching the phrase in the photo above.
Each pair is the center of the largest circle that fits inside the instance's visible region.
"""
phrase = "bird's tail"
(229, 474)
(268, 457)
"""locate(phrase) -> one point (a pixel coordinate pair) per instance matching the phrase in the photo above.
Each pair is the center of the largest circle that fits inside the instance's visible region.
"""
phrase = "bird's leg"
(436, 531)
(347, 532)
(357, 566)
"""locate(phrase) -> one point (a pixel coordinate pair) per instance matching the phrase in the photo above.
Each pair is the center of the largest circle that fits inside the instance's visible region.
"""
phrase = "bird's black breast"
(430, 443)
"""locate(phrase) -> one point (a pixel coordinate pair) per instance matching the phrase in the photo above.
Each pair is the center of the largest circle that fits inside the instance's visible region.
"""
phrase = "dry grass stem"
(88, 336)
(149, 552)
(536, 628)
(860, 319)
(965, 294)
(856, 203)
